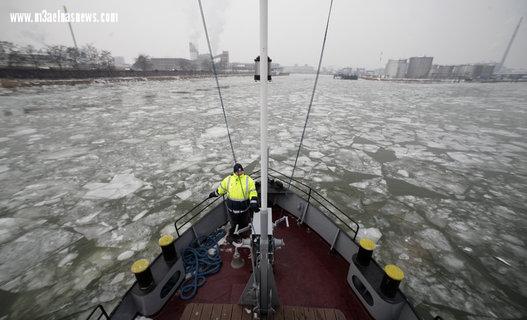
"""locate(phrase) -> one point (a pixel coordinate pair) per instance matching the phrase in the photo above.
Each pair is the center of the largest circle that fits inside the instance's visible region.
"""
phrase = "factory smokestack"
(193, 51)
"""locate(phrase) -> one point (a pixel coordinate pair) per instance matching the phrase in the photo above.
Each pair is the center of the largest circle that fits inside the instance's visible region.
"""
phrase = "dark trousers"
(241, 219)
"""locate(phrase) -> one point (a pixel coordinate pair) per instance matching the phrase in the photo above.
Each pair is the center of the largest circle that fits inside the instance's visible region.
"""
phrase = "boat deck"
(307, 274)
(203, 311)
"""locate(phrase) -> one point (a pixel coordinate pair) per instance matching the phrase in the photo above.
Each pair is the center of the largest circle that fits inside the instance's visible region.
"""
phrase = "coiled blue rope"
(199, 263)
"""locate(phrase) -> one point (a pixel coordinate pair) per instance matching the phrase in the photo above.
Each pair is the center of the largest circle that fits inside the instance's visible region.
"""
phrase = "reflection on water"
(92, 175)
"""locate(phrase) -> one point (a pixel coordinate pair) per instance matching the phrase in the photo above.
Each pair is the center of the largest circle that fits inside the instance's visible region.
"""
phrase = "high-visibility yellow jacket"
(238, 188)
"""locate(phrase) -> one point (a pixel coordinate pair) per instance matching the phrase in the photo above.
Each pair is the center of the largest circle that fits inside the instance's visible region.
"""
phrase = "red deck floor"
(235, 312)
(306, 273)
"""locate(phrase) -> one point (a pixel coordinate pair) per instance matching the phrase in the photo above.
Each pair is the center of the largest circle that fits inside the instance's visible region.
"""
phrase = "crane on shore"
(71, 29)
(506, 53)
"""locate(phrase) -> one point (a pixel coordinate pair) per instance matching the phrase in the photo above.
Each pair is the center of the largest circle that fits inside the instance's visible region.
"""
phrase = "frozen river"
(91, 175)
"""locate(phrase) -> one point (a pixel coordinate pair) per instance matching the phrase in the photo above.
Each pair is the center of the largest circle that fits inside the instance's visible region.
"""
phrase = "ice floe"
(120, 186)
(10, 227)
(118, 278)
(429, 176)
(23, 132)
(64, 154)
(452, 263)
(373, 234)
(357, 161)
(93, 231)
(315, 155)
(403, 173)
(214, 133)
(125, 255)
(67, 259)
(78, 136)
(433, 239)
(374, 190)
(139, 215)
(184, 195)
(31, 248)
(87, 218)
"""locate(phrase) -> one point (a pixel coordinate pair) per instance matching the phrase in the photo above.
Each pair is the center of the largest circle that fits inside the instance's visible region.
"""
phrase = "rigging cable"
(216, 77)
(313, 93)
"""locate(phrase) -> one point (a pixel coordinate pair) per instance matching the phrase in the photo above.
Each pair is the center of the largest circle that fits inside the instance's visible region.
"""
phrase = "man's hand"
(212, 194)
(254, 204)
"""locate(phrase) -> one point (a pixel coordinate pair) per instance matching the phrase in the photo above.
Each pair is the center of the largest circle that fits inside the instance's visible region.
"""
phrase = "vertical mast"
(265, 287)
(263, 107)
(261, 291)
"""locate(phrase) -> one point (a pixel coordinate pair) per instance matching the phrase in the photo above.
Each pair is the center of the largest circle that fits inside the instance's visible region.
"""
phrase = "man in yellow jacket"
(242, 199)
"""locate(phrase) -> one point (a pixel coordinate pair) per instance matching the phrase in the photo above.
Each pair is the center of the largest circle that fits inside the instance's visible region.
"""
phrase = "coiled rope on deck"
(199, 264)
(313, 92)
(216, 78)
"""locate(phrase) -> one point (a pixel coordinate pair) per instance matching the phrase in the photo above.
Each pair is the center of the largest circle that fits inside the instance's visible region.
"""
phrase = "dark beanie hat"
(237, 168)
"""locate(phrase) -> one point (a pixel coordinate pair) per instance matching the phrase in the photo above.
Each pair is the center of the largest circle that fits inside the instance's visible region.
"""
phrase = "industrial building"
(120, 63)
(194, 53)
(202, 61)
(223, 63)
(197, 62)
(462, 71)
(305, 69)
(479, 71)
(396, 68)
(484, 71)
(441, 72)
(422, 68)
(170, 64)
(419, 67)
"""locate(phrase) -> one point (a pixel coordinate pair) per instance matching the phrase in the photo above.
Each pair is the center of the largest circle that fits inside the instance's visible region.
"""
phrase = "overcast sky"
(452, 31)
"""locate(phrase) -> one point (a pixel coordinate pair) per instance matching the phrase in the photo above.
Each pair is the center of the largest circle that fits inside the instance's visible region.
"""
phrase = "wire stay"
(216, 78)
(312, 93)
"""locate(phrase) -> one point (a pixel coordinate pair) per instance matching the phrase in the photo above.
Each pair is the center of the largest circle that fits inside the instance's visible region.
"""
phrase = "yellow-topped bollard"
(394, 272)
(393, 275)
(166, 242)
(366, 247)
(141, 269)
(140, 265)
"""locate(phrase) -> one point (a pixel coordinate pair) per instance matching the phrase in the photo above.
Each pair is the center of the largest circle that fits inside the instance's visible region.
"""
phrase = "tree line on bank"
(54, 56)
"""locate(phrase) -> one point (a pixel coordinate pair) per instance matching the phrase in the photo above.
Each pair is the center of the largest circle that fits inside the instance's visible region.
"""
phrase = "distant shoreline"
(14, 78)
(429, 81)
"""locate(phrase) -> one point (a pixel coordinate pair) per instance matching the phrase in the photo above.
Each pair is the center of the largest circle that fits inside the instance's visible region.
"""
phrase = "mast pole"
(263, 107)
(265, 293)
(261, 291)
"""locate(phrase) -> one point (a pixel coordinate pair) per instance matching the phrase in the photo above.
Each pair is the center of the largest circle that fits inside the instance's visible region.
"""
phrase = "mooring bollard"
(143, 274)
(166, 242)
(366, 247)
(393, 276)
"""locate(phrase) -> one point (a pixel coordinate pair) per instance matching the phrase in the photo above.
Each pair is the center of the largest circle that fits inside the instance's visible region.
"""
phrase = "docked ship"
(346, 74)
(302, 260)
(279, 72)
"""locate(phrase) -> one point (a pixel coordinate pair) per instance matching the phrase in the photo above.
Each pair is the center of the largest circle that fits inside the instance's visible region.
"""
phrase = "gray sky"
(452, 31)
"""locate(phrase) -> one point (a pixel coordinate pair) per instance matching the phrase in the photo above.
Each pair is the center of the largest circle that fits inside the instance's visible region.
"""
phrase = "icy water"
(91, 175)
